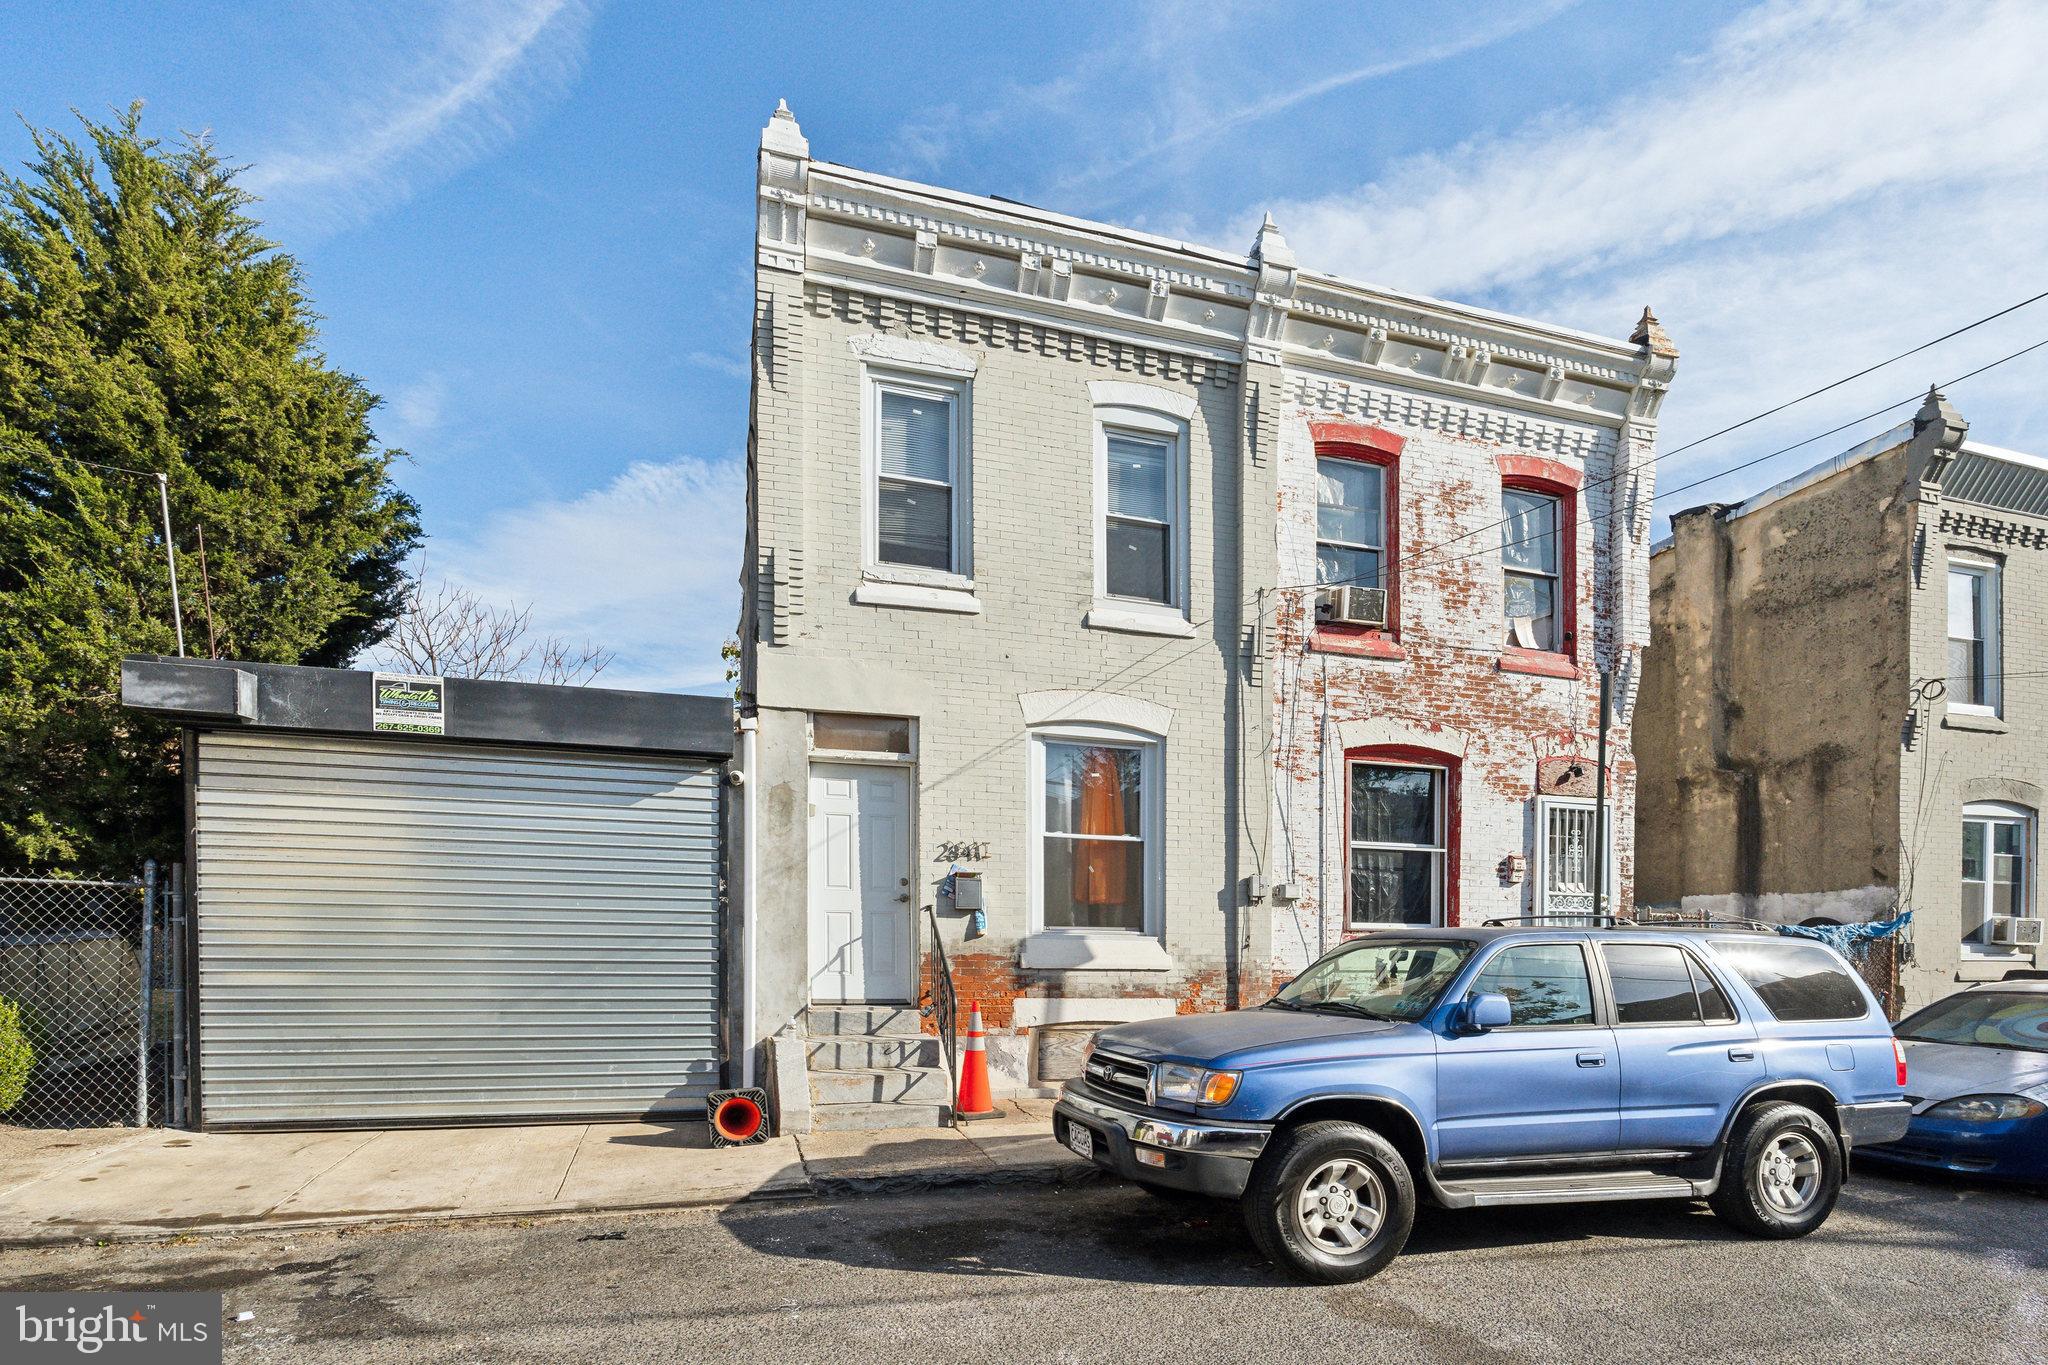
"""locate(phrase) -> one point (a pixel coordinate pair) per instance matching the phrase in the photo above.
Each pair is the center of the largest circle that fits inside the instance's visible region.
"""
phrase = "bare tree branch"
(449, 630)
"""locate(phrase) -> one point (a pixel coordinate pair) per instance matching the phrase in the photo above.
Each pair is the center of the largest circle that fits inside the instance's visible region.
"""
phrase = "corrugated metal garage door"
(397, 930)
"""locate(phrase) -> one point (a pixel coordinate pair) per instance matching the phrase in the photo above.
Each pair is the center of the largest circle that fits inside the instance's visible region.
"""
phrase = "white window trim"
(1441, 848)
(955, 585)
(1987, 571)
(1128, 613)
(2005, 812)
(1541, 881)
(1151, 814)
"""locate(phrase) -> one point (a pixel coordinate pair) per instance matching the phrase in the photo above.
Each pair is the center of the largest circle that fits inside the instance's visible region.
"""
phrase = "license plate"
(1081, 1141)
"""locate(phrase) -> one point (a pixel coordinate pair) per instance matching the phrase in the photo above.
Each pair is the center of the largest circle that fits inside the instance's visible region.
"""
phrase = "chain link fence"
(92, 971)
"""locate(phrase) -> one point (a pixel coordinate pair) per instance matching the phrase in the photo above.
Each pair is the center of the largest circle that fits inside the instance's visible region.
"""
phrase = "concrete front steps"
(870, 1066)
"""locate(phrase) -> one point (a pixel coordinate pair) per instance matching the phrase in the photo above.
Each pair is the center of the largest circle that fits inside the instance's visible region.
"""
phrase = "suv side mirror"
(1489, 1011)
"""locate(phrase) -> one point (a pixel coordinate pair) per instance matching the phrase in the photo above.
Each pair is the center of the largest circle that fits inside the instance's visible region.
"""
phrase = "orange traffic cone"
(975, 1099)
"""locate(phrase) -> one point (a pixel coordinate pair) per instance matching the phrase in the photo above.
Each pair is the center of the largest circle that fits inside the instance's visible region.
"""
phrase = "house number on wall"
(954, 851)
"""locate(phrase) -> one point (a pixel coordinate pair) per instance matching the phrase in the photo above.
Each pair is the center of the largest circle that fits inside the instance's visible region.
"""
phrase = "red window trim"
(1535, 474)
(1374, 446)
(1410, 755)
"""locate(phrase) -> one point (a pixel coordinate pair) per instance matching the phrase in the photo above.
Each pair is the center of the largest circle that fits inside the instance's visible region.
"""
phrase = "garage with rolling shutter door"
(517, 918)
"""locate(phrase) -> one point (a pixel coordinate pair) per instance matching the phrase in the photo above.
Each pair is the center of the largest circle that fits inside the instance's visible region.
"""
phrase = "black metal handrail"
(943, 1007)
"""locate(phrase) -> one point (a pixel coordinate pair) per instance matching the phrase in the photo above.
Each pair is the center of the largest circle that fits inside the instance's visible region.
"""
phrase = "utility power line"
(1258, 619)
(1408, 559)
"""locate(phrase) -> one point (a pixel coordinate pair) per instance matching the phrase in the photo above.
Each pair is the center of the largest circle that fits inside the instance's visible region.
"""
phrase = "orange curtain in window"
(1099, 867)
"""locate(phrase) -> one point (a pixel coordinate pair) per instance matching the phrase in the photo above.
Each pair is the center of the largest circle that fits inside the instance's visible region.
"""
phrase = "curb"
(813, 1186)
(263, 1225)
(920, 1182)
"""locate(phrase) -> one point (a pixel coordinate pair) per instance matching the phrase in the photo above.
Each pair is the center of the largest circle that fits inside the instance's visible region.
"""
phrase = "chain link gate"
(94, 970)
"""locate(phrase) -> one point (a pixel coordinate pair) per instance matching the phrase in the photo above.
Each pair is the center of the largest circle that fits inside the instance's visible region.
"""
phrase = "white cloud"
(423, 104)
(1827, 184)
(1148, 95)
(1838, 105)
(647, 565)
(418, 407)
(729, 366)
(1196, 119)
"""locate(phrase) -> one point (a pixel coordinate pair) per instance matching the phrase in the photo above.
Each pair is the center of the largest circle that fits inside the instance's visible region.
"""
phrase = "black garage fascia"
(223, 694)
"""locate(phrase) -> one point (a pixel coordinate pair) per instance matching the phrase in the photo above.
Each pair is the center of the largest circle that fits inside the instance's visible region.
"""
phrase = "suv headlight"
(1193, 1085)
(1987, 1108)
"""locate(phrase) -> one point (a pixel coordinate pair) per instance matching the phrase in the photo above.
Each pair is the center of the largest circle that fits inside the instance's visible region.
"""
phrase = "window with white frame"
(1141, 548)
(1397, 843)
(1529, 561)
(1351, 531)
(916, 496)
(1095, 825)
(1138, 534)
(1997, 870)
(1975, 665)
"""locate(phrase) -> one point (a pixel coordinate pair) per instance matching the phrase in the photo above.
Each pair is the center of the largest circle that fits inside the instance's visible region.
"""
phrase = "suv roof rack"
(1677, 919)
(1652, 921)
(1564, 921)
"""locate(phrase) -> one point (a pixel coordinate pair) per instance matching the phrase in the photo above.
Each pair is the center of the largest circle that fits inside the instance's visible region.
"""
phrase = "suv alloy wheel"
(1781, 1172)
(1330, 1202)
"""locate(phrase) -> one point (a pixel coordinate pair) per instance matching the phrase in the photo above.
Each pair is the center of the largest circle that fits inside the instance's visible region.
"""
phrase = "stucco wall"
(1773, 689)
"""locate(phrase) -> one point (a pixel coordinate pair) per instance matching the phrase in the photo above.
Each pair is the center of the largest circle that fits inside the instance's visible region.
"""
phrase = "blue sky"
(528, 222)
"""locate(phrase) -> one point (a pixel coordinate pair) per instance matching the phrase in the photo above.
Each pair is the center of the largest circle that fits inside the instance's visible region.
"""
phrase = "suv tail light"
(1899, 1056)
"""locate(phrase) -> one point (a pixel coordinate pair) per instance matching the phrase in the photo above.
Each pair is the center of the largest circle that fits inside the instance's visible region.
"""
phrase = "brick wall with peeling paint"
(1448, 692)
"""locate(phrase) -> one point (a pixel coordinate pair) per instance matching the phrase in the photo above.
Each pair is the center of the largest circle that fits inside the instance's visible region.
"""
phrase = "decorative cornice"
(908, 317)
(1990, 530)
(1384, 406)
(1013, 261)
(845, 205)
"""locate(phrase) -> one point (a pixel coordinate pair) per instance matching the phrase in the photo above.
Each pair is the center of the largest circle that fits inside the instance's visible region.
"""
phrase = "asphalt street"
(1905, 1270)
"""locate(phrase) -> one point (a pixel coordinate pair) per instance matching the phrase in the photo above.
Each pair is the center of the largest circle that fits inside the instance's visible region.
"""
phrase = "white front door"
(863, 913)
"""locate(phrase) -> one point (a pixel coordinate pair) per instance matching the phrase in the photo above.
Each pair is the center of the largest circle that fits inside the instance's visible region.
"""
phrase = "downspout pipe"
(750, 753)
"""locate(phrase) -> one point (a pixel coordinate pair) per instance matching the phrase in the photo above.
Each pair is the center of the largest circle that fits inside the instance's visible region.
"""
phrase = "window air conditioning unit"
(1352, 606)
(2015, 932)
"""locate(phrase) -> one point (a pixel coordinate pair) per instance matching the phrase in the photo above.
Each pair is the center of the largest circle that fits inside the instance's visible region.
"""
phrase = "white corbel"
(783, 187)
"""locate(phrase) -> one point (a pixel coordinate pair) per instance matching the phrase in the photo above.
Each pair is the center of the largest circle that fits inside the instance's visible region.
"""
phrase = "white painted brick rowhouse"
(1030, 597)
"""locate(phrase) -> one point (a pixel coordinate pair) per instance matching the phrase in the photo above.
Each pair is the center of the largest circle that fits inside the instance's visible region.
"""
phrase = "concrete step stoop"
(873, 1067)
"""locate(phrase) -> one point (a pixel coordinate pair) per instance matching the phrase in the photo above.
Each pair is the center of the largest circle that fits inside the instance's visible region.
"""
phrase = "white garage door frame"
(400, 931)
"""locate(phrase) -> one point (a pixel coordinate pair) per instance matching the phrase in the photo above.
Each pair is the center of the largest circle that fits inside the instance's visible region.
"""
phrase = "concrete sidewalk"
(114, 1184)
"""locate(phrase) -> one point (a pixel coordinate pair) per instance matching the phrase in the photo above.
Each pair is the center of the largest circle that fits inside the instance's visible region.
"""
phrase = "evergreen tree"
(146, 325)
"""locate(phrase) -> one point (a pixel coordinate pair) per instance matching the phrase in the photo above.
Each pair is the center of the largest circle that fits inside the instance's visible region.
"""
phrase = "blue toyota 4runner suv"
(1521, 1065)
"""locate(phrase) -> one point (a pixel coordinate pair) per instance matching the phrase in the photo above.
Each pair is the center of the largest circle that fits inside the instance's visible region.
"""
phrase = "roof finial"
(783, 135)
(1269, 247)
(1651, 336)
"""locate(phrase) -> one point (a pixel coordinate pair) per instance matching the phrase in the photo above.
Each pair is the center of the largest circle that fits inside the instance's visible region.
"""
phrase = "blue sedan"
(1977, 1075)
